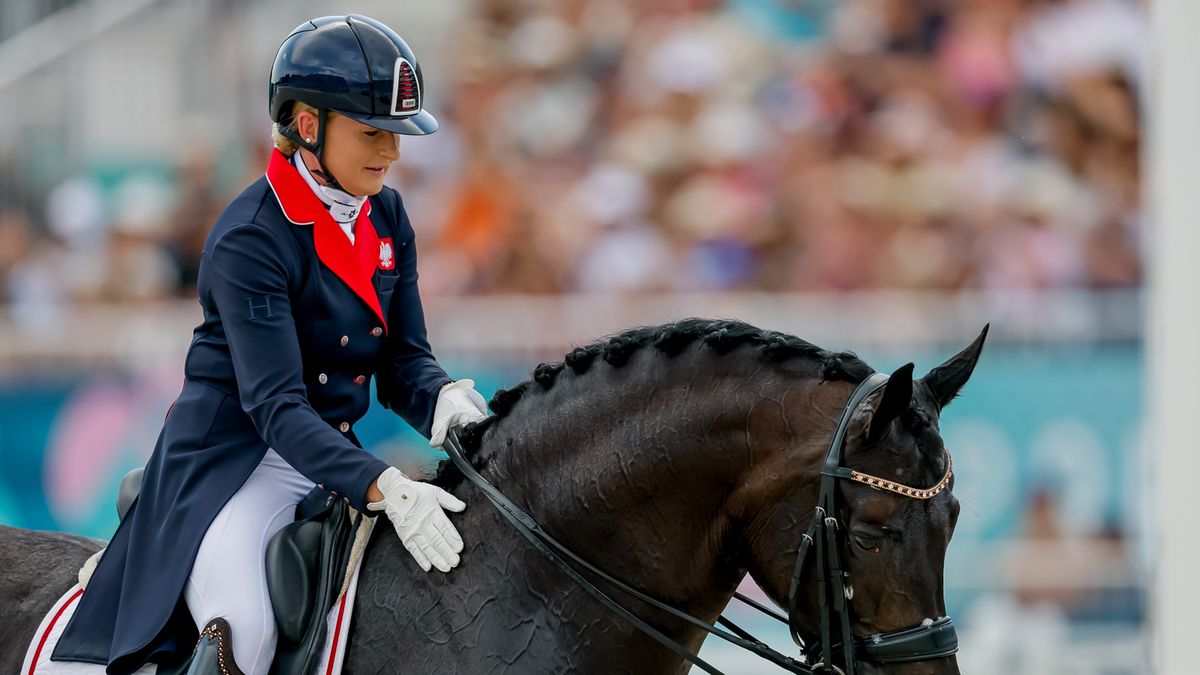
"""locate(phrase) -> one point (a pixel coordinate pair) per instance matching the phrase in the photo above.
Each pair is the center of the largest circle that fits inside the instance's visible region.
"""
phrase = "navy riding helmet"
(354, 66)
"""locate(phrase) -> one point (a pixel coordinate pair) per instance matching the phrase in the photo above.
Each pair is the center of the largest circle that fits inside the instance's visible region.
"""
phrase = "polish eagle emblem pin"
(387, 256)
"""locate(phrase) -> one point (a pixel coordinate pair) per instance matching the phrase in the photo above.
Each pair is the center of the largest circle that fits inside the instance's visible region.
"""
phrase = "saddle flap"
(291, 564)
(306, 564)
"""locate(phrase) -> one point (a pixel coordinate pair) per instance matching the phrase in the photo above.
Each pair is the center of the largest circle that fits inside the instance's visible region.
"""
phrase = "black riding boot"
(213, 654)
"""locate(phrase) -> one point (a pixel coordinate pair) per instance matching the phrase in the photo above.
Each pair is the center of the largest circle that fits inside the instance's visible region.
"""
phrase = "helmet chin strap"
(317, 149)
(343, 206)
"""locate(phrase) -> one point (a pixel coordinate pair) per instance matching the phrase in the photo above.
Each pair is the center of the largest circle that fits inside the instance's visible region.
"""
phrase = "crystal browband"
(902, 489)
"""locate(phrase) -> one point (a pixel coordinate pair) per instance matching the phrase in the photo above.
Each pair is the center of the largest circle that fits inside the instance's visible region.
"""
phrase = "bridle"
(838, 650)
(931, 639)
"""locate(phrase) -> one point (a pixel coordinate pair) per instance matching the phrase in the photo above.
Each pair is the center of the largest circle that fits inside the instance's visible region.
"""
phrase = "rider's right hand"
(415, 509)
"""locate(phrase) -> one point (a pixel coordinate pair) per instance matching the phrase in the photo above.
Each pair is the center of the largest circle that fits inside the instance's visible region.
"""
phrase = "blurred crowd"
(1064, 600)
(777, 145)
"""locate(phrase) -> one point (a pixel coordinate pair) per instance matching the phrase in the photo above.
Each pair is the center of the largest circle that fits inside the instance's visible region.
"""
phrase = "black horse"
(678, 458)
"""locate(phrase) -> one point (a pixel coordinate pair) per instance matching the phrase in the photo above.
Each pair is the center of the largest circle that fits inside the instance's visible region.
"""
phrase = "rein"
(929, 640)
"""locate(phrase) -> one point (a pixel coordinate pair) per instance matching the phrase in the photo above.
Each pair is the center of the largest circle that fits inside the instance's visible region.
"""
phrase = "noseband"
(838, 651)
(931, 639)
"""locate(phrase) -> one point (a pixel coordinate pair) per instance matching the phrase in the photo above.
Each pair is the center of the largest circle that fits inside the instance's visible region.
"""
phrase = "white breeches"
(228, 579)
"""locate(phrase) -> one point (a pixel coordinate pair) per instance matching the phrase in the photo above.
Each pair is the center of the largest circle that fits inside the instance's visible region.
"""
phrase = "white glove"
(415, 509)
(458, 403)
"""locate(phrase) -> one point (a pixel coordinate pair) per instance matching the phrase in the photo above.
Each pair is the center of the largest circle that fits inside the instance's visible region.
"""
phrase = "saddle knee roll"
(292, 564)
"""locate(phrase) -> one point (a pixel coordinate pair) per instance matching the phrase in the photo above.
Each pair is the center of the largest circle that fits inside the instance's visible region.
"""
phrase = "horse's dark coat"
(35, 569)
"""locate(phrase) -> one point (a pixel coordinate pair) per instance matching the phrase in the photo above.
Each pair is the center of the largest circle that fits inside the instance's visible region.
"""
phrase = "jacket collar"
(353, 264)
(298, 202)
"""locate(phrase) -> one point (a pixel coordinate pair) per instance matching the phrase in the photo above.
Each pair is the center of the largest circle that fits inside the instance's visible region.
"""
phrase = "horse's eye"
(866, 542)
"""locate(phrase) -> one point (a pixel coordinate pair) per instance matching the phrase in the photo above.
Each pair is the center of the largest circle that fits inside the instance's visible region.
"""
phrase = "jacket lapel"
(354, 265)
(366, 241)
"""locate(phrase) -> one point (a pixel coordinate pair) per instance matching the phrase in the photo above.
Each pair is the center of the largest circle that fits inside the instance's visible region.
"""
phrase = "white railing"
(528, 328)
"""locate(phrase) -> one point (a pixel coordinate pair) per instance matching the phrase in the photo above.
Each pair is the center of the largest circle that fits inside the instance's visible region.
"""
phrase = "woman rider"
(308, 284)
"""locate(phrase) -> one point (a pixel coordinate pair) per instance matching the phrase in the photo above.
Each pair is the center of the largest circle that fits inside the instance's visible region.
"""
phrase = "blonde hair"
(286, 145)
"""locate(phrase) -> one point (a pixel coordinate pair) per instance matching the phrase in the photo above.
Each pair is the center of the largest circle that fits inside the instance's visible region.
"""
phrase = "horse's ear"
(897, 396)
(946, 380)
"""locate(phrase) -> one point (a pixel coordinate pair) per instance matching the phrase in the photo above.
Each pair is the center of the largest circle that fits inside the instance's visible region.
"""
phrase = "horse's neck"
(640, 485)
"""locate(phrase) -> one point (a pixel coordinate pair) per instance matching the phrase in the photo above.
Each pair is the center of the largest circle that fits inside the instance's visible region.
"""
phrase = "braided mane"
(720, 335)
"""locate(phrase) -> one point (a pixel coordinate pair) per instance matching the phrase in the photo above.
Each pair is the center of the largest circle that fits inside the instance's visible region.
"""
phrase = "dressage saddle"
(306, 562)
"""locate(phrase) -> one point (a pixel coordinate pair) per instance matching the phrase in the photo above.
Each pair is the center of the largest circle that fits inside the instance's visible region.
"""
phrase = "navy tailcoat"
(297, 320)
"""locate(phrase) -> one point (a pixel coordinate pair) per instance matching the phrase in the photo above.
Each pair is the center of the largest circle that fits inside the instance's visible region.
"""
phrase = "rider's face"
(358, 155)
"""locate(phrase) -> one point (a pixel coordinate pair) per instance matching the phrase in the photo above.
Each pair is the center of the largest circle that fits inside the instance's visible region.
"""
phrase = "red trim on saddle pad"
(354, 263)
(337, 634)
(50, 628)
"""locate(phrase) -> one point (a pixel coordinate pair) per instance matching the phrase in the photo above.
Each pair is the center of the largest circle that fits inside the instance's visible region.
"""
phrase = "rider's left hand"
(458, 403)
(417, 511)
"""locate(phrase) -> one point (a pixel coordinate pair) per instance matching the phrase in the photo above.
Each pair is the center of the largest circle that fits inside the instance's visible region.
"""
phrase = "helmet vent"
(406, 93)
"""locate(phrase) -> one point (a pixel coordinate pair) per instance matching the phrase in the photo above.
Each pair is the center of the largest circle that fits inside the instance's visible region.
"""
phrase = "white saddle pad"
(37, 657)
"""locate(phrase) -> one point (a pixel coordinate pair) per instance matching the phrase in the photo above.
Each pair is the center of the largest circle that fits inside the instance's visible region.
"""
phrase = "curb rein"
(931, 639)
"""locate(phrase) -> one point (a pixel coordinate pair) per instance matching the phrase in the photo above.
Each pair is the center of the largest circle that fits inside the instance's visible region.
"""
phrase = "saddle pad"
(37, 657)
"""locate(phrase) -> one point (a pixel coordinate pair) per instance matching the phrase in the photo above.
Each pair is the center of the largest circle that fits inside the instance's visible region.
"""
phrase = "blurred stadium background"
(881, 175)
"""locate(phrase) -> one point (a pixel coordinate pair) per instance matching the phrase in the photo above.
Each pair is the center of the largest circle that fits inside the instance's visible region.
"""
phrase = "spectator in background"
(16, 236)
(197, 205)
(138, 266)
(1087, 576)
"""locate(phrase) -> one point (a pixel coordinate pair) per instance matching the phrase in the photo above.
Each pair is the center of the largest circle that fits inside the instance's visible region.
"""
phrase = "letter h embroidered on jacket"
(264, 306)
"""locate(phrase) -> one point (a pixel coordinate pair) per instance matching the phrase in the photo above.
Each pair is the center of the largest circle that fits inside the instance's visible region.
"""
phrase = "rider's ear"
(897, 396)
(946, 380)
